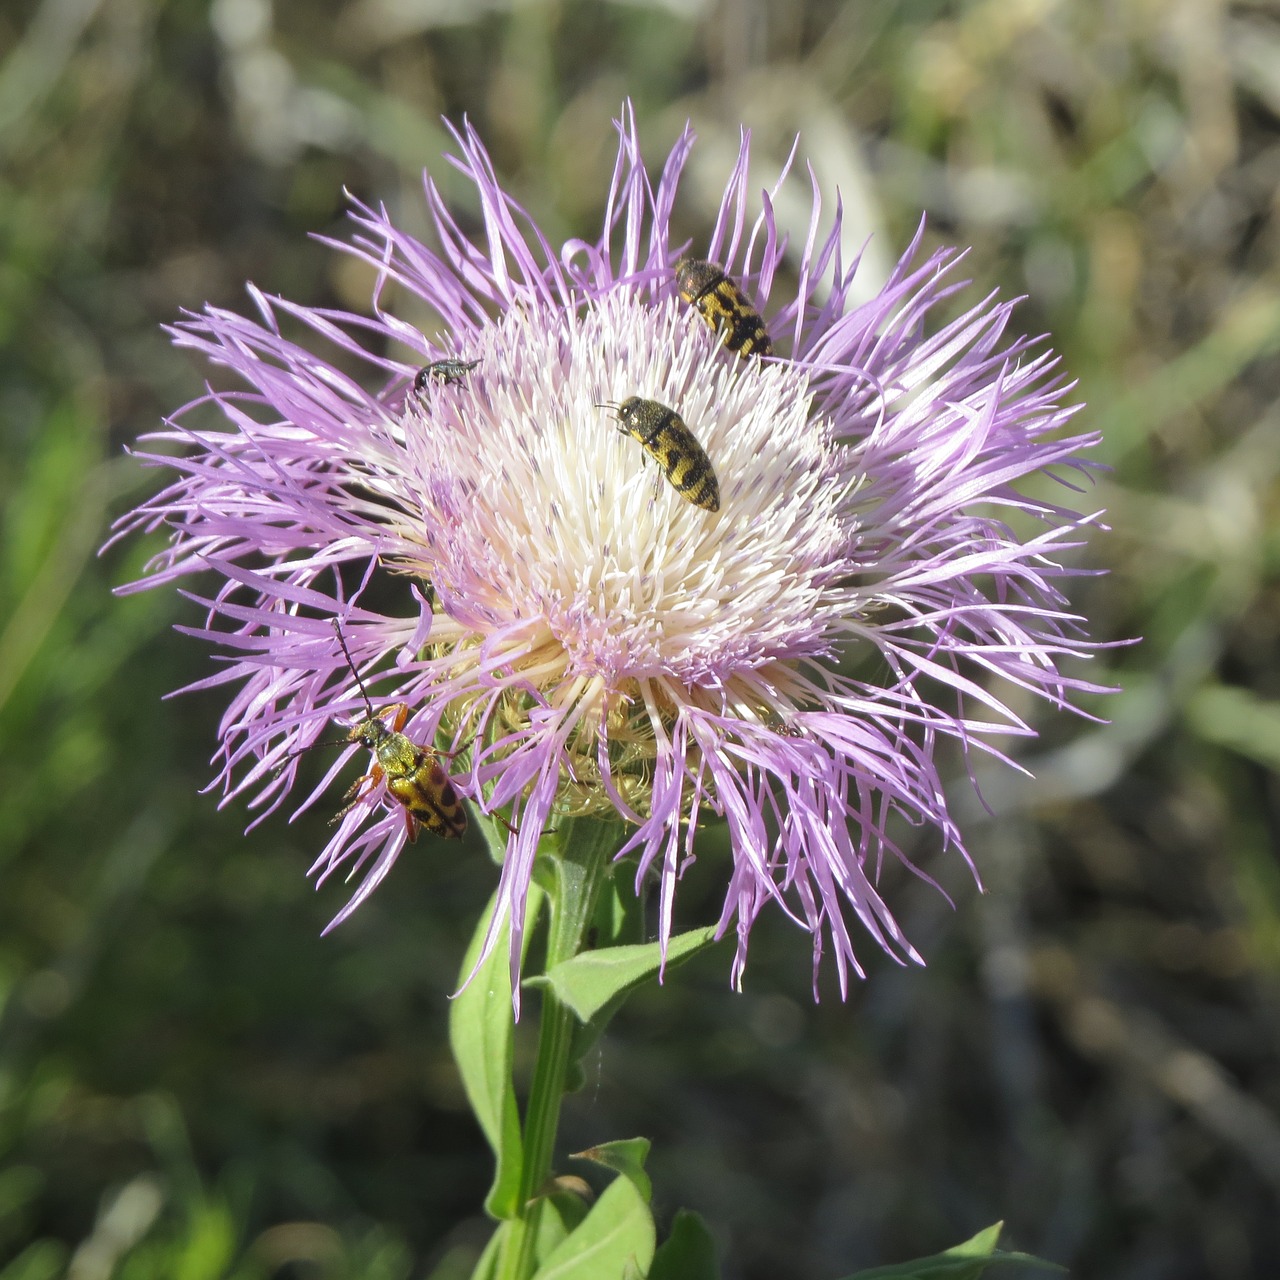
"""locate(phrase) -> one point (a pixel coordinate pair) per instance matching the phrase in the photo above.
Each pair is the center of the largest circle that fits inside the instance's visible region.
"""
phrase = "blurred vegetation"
(194, 1084)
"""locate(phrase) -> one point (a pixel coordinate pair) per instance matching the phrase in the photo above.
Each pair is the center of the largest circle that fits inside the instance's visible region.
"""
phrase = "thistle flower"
(509, 565)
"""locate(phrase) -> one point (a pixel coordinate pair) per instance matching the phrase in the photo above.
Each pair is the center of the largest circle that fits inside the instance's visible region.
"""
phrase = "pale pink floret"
(870, 507)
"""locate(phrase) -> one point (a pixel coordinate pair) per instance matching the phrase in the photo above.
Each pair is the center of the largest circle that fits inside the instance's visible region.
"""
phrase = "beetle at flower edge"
(723, 306)
(412, 772)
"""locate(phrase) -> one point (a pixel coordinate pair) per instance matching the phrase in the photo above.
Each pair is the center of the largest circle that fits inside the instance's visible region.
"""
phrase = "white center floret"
(535, 505)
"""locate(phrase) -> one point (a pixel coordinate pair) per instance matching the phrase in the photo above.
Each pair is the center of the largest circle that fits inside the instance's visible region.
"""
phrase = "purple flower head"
(533, 585)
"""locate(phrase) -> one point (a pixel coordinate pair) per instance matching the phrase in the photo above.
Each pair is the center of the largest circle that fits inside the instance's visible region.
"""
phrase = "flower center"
(537, 507)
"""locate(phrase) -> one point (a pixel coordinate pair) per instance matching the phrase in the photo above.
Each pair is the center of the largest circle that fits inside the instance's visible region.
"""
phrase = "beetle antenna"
(302, 751)
(337, 630)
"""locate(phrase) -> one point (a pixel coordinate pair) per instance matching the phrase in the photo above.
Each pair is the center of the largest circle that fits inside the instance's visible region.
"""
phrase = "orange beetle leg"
(373, 778)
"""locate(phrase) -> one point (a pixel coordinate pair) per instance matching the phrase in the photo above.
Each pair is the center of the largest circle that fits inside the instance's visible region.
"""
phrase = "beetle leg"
(373, 778)
(515, 831)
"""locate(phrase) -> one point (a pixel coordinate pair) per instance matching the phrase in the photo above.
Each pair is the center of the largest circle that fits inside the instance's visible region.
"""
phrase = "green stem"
(580, 869)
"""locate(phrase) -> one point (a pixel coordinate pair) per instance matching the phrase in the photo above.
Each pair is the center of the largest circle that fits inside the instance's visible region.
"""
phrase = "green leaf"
(965, 1261)
(562, 1213)
(481, 1034)
(618, 1232)
(591, 979)
(625, 1156)
(688, 1253)
(588, 1031)
(210, 1243)
(619, 916)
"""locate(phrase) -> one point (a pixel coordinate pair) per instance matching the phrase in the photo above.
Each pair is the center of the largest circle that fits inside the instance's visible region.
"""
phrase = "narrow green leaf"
(618, 1232)
(688, 1253)
(591, 979)
(625, 1156)
(1239, 720)
(481, 1032)
(965, 1261)
(210, 1243)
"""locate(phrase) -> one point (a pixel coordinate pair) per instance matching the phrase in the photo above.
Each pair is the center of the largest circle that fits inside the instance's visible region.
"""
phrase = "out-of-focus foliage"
(194, 1084)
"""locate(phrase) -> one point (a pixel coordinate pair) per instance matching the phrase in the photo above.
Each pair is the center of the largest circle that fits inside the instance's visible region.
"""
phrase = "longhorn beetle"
(413, 773)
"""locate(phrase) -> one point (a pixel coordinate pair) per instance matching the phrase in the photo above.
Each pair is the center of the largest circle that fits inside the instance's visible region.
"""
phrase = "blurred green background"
(194, 1084)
